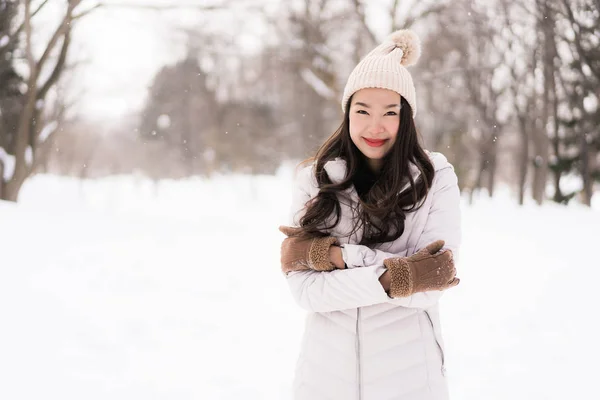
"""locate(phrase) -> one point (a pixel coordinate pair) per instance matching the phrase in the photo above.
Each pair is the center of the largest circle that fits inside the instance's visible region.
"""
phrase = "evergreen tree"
(11, 99)
(181, 112)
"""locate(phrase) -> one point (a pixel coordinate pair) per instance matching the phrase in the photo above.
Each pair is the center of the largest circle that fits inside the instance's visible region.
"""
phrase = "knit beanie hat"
(384, 67)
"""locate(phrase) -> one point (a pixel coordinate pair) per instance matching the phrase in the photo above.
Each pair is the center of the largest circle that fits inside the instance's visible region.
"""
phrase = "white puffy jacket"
(360, 344)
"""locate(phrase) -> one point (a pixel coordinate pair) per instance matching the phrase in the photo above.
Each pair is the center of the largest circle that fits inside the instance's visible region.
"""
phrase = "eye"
(363, 112)
(391, 113)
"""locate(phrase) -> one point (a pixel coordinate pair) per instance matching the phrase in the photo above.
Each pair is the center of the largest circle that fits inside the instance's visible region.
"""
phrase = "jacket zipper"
(358, 353)
(437, 343)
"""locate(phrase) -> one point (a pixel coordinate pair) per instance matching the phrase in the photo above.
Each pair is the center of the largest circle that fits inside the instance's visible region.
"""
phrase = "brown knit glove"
(300, 254)
(427, 270)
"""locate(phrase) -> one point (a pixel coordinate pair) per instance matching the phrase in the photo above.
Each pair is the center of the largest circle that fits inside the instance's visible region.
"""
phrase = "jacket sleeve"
(443, 222)
(337, 290)
(330, 291)
(374, 258)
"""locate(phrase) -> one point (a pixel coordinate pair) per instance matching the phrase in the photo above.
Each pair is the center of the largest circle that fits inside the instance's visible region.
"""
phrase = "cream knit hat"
(384, 67)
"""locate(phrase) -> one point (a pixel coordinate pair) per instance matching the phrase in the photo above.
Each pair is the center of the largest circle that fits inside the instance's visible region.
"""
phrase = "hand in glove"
(428, 269)
(301, 254)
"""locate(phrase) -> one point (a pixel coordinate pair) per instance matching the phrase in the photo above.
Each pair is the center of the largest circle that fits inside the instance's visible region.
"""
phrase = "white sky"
(119, 50)
(120, 57)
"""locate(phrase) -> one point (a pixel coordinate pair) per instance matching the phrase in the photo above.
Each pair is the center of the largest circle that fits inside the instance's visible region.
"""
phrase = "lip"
(375, 143)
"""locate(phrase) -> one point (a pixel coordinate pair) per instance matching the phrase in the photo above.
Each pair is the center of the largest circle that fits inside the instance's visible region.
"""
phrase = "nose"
(377, 127)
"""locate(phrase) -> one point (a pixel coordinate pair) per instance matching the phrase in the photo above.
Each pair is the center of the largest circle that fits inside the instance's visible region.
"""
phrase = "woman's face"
(374, 121)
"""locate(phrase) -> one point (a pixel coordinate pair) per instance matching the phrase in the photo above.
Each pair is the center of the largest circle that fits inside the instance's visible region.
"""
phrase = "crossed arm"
(366, 281)
(336, 256)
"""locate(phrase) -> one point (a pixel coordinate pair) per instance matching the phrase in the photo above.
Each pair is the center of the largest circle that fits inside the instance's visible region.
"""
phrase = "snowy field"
(121, 289)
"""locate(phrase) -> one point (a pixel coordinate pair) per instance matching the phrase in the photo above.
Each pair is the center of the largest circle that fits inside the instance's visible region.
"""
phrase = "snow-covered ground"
(122, 289)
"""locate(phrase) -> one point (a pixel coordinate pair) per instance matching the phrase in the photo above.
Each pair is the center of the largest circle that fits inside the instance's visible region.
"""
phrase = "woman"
(375, 225)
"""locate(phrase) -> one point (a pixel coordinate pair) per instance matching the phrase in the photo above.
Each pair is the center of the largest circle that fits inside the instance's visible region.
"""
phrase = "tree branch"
(393, 15)
(322, 6)
(358, 8)
(28, 50)
(580, 51)
(61, 30)
(156, 7)
(466, 70)
(60, 63)
(436, 9)
(22, 26)
(86, 12)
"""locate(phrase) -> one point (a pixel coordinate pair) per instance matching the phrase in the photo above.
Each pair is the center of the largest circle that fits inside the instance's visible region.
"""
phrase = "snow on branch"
(47, 131)
(9, 164)
(316, 83)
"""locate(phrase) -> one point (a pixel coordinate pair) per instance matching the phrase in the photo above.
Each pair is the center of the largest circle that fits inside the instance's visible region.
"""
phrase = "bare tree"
(546, 22)
(583, 84)
(462, 61)
(444, 118)
(11, 98)
(521, 58)
(29, 130)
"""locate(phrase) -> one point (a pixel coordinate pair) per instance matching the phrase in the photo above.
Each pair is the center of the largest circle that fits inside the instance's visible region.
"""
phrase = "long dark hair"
(382, 210)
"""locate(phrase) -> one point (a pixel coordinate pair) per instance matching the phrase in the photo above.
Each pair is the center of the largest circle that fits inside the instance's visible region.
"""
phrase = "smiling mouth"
(375, 143)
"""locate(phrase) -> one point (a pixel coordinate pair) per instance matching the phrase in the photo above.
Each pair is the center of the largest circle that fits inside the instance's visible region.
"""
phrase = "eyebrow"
(358, 103)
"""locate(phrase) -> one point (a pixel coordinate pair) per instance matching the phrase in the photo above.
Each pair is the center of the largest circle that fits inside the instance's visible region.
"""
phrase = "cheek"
(392, 127)
(357, 125)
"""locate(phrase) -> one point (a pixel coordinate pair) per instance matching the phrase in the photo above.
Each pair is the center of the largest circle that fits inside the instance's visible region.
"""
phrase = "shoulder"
(305, 178)
(444, 171)
(439, 160)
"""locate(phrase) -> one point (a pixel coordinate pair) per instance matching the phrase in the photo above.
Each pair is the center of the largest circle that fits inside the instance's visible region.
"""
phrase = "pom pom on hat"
(385, 67)
(407, 41)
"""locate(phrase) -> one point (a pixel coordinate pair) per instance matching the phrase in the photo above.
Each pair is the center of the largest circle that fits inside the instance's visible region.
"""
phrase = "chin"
(375, 155)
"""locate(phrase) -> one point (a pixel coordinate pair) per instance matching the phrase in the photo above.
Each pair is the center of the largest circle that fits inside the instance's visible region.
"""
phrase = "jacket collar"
(336, 170)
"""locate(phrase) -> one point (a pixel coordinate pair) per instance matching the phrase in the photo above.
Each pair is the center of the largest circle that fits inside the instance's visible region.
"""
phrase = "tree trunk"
(558, 196)
(491, 156)
(541, 142)
(10, 191)
(1, 179)
(585, 171)
(524, 159)
(481, 171)
(493, 164)
(541, 148)
(555, 140)
(12, 187)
